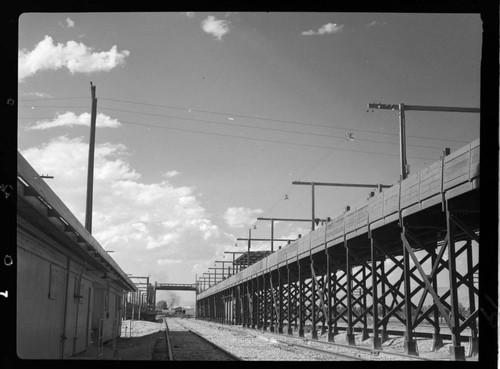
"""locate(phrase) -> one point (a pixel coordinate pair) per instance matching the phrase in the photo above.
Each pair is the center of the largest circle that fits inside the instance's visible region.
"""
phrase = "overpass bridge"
(383, 259)
(175, 287)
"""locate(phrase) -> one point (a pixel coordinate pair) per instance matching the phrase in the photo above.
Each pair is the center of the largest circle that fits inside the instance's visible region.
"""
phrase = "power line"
(237, 115)
(253, 127)
(56, 98)
(262, 128)
(259, 139)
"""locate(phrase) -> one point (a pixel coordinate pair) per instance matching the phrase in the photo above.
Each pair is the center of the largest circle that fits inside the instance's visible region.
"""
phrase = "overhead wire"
(257, 139)
(242, 116)
(259, 128)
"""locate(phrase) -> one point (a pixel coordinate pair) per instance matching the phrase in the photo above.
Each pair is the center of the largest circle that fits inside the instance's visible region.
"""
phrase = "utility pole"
(219, 268)
(402, 129)
(90, 175)
(313, 184)
(234, 252)
(223, 266)
(272, 227)
(249, 241)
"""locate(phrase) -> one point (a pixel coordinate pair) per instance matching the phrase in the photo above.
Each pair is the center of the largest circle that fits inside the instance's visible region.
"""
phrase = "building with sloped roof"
(70, 292)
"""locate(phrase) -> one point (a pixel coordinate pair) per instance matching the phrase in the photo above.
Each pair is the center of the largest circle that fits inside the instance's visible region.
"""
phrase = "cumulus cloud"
(375, 23)
(129, 216)
(37, 94)
(171, 174)
(70, 119)
(75, 56)
(328, 28)
(238, 217)
(69, 22)
(168, 261)
(189, 14)
(215, 27)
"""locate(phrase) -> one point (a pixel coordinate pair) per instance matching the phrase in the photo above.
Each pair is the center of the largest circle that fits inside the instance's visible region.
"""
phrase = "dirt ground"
(139, 343)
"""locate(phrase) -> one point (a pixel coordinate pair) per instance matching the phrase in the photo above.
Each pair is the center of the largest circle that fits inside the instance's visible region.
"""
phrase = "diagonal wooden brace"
(426, 280)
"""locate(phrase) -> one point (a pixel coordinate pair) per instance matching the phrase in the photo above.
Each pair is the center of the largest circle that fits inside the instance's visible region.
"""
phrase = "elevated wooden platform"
(419, 197)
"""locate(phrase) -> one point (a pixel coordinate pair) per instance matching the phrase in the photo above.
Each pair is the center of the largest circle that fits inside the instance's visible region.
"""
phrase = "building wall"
(40, 302)
(58, 296)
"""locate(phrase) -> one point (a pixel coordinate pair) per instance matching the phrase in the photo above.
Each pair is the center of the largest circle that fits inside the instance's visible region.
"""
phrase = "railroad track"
(184, 344)
(284, 346)
(340, 351)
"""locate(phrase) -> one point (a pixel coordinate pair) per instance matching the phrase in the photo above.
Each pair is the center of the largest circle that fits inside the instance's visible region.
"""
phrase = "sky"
(204, 119)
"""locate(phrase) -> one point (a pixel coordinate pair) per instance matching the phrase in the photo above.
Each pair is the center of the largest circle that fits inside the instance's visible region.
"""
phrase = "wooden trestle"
(372, 266)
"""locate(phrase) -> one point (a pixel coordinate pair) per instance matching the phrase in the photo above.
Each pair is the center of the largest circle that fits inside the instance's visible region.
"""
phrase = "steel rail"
(167, 337)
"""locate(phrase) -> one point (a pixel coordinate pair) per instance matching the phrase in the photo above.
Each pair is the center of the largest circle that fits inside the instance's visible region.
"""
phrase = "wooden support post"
(314, 332)
(258, 302)
(364, 335)
(289, 306)
(244, 304)
(251, 323)
(350, 337)
(265, 300)
(272, 307)
(335, 303)
(410, 345)
(279, 316)
(473, 344)
(384, 335)
(330, 334)
(238, 305)
(301, 300)
(324, 309)
(457, 352)
(376, 340)
(437, 340)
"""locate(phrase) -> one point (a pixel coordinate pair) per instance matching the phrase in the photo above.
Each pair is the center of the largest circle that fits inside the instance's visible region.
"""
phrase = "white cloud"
(215, 27)
(69, 22)
(70, 119)
(171, 174)
(149, 220)
(375, 23)
(75, 56)
(37, 94)
(328, 28)
(238, 217)
(168, 261)
(189, 14)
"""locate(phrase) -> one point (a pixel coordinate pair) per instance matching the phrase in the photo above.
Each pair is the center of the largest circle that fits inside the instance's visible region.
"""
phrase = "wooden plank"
(410, 190)
(431, 201)
(350, 220)
(411, 209)
(458, 190)
(430, 181)
(306, 242)
(456, 171)
(391, 200)
(335, 228)
(376, 207)
(474, 162)
(456, 167)
(318, 236)
(272, 259)
(362, 216)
